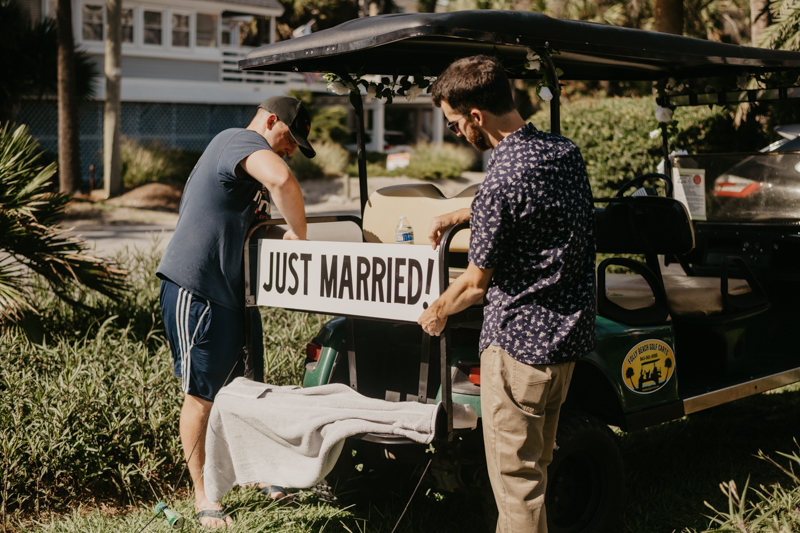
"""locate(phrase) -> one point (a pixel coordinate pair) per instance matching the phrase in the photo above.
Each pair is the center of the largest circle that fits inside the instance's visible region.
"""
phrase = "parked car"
(755, 187)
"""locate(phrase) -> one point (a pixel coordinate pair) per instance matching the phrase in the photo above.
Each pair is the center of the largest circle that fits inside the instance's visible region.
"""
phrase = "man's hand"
(431, 323)
(467, 289)
(291, 236)
(440, 224)
(437, 228)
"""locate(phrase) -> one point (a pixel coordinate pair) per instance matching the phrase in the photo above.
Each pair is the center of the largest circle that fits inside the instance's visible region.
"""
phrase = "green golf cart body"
(707, 318)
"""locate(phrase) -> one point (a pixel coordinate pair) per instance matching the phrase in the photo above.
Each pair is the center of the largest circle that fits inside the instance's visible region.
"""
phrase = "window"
(230, 32)
(152, 27)
(180, 30)
(206, 30)
(92, 22)
(127, 25)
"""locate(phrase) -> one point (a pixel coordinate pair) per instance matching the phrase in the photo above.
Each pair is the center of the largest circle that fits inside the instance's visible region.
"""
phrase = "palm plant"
(31, 242)
(784, 33)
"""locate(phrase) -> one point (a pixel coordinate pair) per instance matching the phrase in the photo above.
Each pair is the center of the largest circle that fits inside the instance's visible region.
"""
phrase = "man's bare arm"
(467, 289)
(440, 224)
(272, 172)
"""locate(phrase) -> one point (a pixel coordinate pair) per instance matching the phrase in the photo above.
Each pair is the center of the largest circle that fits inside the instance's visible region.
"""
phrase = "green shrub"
(329, 125)
(614, 136)
(447, 161)
(330, 161)
(376, 165)
(147, 162)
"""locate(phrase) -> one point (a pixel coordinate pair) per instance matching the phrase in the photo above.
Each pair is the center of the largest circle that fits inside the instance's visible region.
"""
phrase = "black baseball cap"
(291, 112)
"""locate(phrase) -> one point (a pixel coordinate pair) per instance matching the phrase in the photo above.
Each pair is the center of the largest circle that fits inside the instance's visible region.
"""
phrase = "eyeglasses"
(453, 126)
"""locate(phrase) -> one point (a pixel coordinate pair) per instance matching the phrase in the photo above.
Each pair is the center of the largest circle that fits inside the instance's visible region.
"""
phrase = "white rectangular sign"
(690, 190)
(394, 281)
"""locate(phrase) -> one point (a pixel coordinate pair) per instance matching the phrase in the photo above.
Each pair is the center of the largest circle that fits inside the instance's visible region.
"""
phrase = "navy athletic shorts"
(207, 340)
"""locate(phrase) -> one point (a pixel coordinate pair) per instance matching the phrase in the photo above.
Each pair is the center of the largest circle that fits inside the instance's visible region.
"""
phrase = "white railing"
(230, 73)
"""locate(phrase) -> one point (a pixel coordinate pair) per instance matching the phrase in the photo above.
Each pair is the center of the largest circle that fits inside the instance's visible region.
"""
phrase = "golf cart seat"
(654, 225)
(420, 203)
(686, 295)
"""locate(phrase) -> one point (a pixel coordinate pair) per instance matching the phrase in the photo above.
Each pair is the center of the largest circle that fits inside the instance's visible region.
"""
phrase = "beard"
(476, 138)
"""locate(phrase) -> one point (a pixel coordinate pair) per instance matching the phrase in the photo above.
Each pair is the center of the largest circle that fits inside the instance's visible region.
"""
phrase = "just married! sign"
(393, 281)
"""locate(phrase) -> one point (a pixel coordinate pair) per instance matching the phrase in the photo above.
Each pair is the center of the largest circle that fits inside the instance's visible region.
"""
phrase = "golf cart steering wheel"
(638, 182)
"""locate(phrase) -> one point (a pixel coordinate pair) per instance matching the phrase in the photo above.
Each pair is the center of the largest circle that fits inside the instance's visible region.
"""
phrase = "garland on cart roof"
(412, 86)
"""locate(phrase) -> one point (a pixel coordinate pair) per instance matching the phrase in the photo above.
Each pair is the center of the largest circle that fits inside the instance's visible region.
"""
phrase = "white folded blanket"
(292, 437)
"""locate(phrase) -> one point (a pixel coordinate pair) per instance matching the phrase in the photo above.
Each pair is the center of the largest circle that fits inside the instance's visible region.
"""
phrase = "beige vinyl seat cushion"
(420, 203)
(686, 295)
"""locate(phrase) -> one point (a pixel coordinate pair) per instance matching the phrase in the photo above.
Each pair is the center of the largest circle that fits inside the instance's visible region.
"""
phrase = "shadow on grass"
(671, 470)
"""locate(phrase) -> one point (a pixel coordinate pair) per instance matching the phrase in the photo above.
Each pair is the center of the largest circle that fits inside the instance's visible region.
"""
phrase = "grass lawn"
(89, 440)
(671, 470)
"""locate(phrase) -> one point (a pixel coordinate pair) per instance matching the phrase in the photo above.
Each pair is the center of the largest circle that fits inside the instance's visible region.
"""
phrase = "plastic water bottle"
(404, 234)
(174, 520)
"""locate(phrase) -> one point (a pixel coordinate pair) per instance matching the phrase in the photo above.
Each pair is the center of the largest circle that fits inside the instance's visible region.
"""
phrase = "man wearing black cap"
(202, 287)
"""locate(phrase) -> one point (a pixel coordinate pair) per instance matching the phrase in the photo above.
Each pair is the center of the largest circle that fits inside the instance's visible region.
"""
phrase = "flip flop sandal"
(219, 514)
(269, 490)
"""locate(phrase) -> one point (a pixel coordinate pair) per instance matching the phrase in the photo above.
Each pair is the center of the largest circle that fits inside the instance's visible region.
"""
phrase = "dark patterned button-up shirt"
(532, 221)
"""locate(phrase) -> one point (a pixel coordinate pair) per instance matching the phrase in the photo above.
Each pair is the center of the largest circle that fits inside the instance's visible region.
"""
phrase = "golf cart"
(706, 317)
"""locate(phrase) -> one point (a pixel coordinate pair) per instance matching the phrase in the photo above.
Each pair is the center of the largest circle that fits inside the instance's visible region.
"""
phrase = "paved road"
(121, 227)
(108, 239)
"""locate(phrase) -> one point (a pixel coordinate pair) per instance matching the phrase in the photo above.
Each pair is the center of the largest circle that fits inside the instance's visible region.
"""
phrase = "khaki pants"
(520, 405)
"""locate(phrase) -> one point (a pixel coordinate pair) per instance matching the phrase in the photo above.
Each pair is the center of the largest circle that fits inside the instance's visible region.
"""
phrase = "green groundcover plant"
(774, 509)
(91, 414)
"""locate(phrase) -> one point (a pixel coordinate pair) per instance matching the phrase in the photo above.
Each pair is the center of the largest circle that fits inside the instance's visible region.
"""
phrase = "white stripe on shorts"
(186, 342)
(182, 315)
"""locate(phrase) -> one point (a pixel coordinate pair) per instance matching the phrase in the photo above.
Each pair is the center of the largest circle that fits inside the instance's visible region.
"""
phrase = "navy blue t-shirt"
(218, 206)
(532, 221)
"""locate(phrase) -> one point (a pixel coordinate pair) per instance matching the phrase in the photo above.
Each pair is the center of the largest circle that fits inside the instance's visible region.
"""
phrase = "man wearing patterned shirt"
(532, 255)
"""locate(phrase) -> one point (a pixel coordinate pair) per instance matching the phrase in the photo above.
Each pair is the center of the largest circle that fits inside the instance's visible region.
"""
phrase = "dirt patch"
(153, 196)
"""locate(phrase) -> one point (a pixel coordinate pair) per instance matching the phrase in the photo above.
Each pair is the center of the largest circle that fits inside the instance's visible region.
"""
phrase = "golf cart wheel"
(586, 479)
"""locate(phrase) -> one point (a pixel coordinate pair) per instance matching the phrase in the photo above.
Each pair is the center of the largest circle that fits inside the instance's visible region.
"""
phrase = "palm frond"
(31, 242)
(784, 32)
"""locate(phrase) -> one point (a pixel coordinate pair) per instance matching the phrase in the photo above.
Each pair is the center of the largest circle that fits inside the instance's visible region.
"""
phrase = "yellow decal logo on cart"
(648, 366)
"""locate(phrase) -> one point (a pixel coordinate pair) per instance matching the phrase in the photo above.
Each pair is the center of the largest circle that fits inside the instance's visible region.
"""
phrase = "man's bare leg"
(194, 418)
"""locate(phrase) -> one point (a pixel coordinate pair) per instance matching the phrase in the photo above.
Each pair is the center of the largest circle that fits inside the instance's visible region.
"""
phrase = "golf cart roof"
(402, 43)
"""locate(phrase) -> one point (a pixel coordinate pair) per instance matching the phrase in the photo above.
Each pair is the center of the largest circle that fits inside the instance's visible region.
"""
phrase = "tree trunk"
(760, 19)
(669, 16)
(112, 180)
(69, 154)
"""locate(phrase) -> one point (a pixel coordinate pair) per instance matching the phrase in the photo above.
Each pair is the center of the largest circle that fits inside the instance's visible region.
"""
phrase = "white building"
(180, 79)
